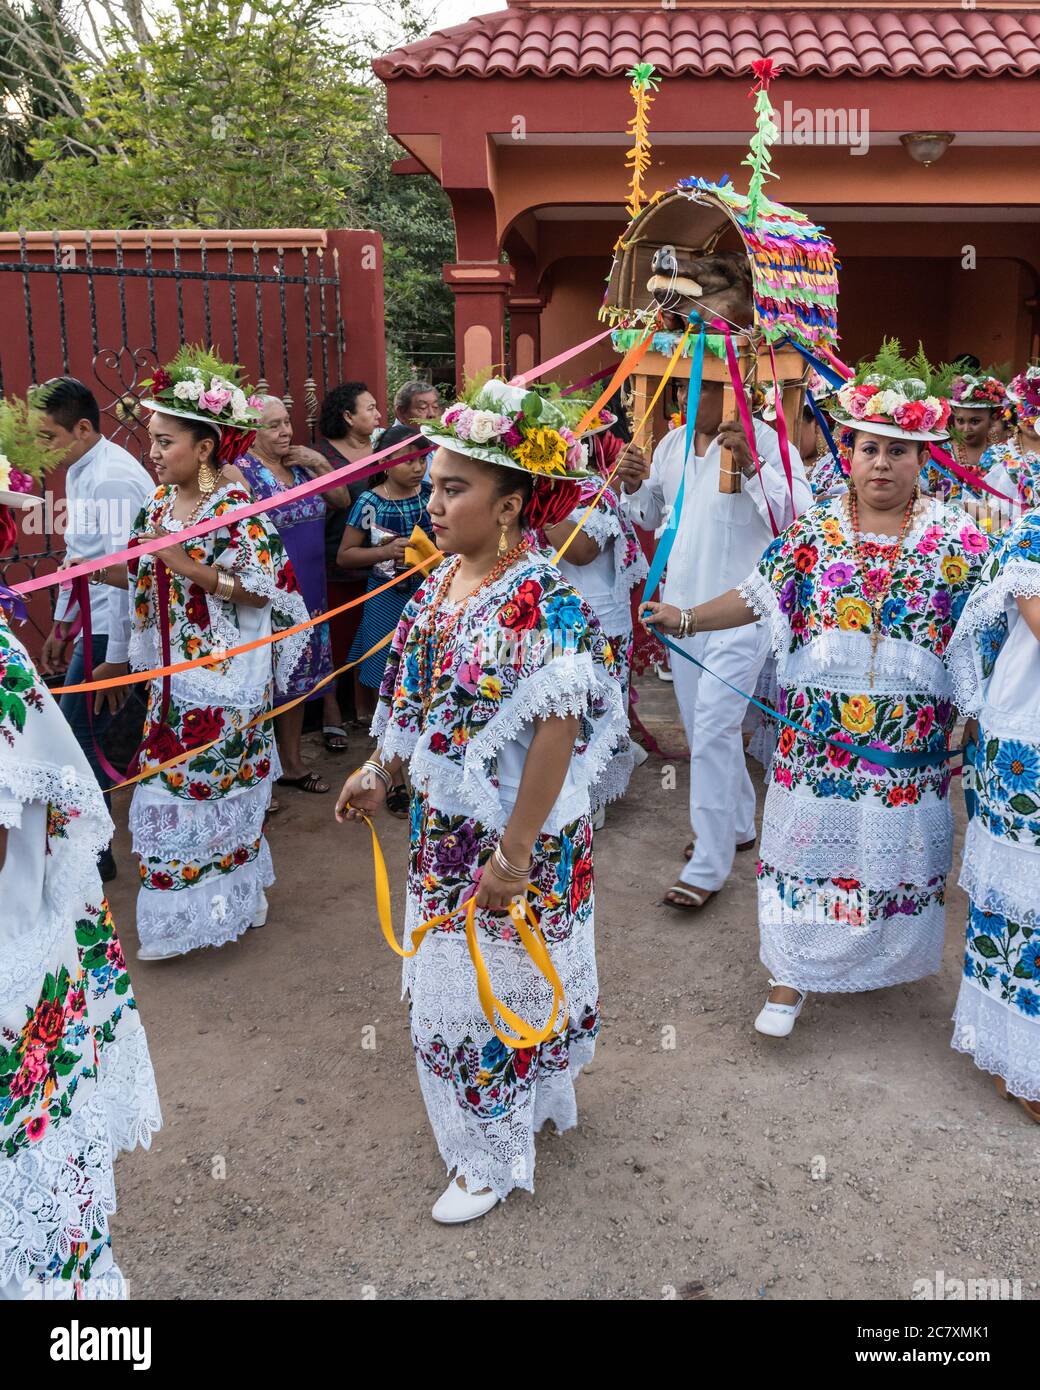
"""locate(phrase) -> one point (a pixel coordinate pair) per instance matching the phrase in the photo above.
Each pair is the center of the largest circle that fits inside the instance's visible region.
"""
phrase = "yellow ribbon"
(620, 458)
(529, 931)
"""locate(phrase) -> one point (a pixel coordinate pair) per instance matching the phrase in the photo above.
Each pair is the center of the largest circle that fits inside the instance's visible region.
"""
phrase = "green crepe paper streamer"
(643, 75)
(759, 159)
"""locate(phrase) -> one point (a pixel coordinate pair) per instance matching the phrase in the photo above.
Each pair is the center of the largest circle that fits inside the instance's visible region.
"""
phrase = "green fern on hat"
(20, 443)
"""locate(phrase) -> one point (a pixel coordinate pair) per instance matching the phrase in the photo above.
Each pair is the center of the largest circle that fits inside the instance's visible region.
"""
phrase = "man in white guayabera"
(721, 537)
(105, 488)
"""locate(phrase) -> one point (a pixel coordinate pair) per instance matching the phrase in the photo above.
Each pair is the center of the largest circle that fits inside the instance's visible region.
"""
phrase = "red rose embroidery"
(47, 1026)
(198, 791)
(240, 855)
(161, 880)
(263, 767)
(805, 558)
(581, 883)
(201, 726)
(439, 743)
(161, 743)
(286, 579)
(196, 610)
(521, 613)
(522, 1062)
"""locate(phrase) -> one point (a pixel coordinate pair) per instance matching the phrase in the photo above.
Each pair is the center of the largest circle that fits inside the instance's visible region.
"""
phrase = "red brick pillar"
(525, 331)
(480, 291)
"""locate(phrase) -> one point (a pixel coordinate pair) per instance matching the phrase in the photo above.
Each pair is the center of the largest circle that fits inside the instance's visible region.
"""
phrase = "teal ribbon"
(693, 396)
(883, 757)
(970, 749)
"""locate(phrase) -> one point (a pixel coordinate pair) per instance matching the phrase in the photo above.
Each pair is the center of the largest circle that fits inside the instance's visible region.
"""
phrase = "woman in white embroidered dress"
(76, 1081)
(198, 825)
(861, 595)
(604, 562)
(995, 656)
(500, 697)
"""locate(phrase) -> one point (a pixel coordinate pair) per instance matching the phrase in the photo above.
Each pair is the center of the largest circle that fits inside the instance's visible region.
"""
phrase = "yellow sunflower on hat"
(543, 451)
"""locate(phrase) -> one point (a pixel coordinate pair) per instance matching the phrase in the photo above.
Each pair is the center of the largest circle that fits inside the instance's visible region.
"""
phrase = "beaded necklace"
(890, 554)
(432, 665)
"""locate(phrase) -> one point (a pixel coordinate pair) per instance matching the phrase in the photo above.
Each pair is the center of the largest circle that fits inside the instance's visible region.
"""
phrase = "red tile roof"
(705, 42)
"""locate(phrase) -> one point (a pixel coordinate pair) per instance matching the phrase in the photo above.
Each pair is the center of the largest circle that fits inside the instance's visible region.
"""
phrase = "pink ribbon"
(526, 377)
(744, 413)
(781, 430)
(948, 462)
(349, 472)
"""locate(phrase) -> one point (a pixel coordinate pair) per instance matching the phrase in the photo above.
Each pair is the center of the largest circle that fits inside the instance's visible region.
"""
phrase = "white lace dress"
(606, 584)
(198, 826)
(527, 647)
(854, 855)
(996, 661)
(76, 1081)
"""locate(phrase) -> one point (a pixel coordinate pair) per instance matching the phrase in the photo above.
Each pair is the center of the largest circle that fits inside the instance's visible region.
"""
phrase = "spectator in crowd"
(416, 400)
(378, 527)
(348, 420)
(105, 488)
(273, 465)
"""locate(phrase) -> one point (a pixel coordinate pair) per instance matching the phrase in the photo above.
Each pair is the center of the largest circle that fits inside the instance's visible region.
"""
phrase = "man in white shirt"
(105, 488)
(720, 539)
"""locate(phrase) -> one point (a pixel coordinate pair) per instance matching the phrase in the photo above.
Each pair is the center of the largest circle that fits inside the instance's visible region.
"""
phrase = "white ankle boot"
(778, 1020)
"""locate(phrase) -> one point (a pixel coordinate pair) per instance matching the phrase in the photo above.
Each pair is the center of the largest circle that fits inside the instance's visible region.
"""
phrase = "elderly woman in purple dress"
(273, 465)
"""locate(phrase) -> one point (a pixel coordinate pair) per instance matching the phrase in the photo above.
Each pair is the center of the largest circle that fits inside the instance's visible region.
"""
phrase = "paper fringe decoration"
(644, 84)
(794, 269)
(767, 132)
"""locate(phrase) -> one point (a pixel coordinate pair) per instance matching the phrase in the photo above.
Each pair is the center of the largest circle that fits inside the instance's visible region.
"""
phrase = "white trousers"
(722, 797)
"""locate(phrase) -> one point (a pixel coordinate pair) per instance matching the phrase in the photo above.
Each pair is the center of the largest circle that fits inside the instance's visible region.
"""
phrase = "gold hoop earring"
(503, 544)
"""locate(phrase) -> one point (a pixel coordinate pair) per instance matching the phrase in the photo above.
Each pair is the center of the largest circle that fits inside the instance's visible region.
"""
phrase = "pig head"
(717, 284)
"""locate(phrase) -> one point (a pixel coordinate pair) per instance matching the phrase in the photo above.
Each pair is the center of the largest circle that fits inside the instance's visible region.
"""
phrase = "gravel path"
(851, 1160)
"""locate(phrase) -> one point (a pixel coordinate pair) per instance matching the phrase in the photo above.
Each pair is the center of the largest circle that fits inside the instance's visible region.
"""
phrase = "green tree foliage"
(218, 114)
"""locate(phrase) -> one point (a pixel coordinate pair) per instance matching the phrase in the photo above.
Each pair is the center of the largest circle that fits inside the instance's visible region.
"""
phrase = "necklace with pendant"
(890, 554)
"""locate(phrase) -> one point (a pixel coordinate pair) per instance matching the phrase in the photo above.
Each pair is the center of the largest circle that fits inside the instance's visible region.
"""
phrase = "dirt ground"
(849, 1161)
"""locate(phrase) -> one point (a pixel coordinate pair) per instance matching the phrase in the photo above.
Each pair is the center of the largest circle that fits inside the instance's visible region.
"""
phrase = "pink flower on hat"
(214, 401)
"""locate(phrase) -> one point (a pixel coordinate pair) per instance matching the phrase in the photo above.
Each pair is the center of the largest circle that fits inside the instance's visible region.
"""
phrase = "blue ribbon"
(883, 757)
(818, 416)
(14, 601)
(693, 396)
(824, 368)
(970, 749)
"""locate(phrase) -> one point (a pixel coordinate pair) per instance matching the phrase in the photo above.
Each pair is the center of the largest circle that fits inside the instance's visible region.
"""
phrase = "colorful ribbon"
(348, 473)
(882, 757)
(664, 546)
(745, 416)
(524, 1034)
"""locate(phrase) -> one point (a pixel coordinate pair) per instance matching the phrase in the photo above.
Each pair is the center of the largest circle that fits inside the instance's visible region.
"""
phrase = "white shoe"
(260, 915)
(454, 1205)
(663, 673)
(153, 953)
(639, 753)
(778, 1020)
(599, 818)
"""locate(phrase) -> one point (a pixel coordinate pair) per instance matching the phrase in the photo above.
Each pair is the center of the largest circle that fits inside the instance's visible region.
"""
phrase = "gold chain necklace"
(432, 666)
(890, 554)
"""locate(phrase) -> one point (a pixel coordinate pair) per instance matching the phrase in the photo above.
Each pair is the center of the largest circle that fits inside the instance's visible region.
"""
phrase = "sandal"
(398, 801)
(309, 782)
(334, 737)
(1031, 1107)
(741, 849)
(696, 898)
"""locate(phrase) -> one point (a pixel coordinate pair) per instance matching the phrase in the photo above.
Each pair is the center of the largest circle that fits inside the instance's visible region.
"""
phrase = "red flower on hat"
(161, 381)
